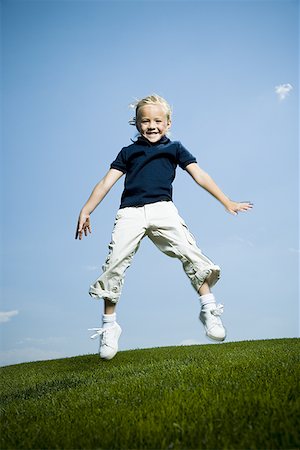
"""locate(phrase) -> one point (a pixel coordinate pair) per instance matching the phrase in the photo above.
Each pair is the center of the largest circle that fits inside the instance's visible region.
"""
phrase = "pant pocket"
(189, 236)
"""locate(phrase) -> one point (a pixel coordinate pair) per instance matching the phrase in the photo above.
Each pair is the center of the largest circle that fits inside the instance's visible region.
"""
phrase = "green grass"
(242, 395)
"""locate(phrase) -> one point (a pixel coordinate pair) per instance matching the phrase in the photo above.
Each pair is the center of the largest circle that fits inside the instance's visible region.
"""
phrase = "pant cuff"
(101, 293)
(210, 275)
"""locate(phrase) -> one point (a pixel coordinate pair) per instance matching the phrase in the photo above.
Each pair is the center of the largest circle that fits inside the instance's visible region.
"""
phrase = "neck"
(161, 140)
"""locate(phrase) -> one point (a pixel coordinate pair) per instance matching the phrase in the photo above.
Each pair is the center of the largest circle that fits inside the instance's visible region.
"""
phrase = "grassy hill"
(242, 395)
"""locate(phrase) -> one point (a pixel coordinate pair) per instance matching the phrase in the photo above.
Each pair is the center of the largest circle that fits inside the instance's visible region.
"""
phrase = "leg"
(204, 289)
(172, 237)
(109, 307)
(127, 234)
(109, 333)
(210, 314)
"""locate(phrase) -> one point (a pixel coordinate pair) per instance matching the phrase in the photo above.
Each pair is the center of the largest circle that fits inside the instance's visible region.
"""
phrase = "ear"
(169, 123)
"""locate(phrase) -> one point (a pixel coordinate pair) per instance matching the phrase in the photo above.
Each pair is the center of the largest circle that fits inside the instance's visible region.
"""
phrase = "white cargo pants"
(162, 224)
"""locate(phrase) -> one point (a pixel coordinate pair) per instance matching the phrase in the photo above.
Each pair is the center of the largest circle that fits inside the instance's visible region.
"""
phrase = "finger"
(231, 211)
(88, 226)
(247, 205)
(243, 207)
(77, 231)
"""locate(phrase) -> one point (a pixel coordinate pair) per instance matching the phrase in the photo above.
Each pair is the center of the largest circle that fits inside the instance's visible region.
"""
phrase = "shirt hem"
(137, 205)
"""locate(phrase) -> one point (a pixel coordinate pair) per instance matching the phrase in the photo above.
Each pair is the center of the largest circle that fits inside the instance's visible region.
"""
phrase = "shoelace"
(100, 332)
(218, 310)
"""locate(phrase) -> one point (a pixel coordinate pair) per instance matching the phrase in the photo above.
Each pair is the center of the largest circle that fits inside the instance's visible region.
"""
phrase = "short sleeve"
(120, 162)
(184, 157)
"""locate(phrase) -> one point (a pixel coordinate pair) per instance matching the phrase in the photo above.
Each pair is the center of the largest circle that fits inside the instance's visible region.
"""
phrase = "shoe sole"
(107, 358)
(216, 339)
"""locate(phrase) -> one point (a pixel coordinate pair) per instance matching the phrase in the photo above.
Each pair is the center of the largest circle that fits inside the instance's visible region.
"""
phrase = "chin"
(153, 138)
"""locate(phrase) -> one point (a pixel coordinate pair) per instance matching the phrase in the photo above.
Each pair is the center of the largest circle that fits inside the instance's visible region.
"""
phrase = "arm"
(97, 195)
(205, 181)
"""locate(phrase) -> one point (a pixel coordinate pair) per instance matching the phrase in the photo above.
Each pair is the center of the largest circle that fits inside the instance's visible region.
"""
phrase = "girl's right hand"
(83, 225)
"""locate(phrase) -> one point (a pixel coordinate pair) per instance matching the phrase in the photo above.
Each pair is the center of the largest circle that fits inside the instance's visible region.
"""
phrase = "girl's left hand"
(234, 207)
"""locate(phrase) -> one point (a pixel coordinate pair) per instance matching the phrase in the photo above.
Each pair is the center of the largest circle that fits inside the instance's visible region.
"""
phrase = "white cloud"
(17, 356)
(34, 349)
(190, 342)
(283, 90)
(5, 316)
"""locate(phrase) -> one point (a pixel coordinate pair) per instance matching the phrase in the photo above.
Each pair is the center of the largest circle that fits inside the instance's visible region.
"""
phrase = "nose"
(151, 126)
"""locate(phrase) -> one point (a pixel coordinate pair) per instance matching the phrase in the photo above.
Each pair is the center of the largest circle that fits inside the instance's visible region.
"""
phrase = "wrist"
(226, 201)
(85, 211)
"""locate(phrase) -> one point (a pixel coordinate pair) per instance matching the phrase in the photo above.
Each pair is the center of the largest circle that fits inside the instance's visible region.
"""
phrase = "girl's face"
(152, 122)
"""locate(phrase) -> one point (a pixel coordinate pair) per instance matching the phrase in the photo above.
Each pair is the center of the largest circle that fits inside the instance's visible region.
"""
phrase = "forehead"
(151, 110)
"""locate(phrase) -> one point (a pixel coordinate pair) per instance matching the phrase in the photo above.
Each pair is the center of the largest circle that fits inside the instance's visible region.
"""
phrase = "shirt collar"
(143, 141)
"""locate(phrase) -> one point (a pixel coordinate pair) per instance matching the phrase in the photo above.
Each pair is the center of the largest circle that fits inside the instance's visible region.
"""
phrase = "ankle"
(108, 320)
(207, 300)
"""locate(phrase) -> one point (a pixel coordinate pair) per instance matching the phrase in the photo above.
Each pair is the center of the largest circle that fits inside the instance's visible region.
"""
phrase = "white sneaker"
(109, 338)
(210, 317)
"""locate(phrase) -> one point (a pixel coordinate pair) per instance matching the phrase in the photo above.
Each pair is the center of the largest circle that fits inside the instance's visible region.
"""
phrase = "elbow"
(203, 179)
(104, 186)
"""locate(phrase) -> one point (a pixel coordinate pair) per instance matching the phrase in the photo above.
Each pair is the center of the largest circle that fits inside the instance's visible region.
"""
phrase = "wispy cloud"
(91, 268)
(242, 241)
(51, 340)
(283, 90)
(5, 316)
(294, 250)
(190, 342)
(35, 349)
(16, 356)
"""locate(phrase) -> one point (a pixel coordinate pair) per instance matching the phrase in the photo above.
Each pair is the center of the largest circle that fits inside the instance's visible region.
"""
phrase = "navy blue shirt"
(150, 170)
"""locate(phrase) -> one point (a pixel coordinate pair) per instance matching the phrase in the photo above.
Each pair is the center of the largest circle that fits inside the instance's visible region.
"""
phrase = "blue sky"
(70, 70)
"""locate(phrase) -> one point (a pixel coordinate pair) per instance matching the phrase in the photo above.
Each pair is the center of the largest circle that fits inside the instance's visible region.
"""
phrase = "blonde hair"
(153, 99)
